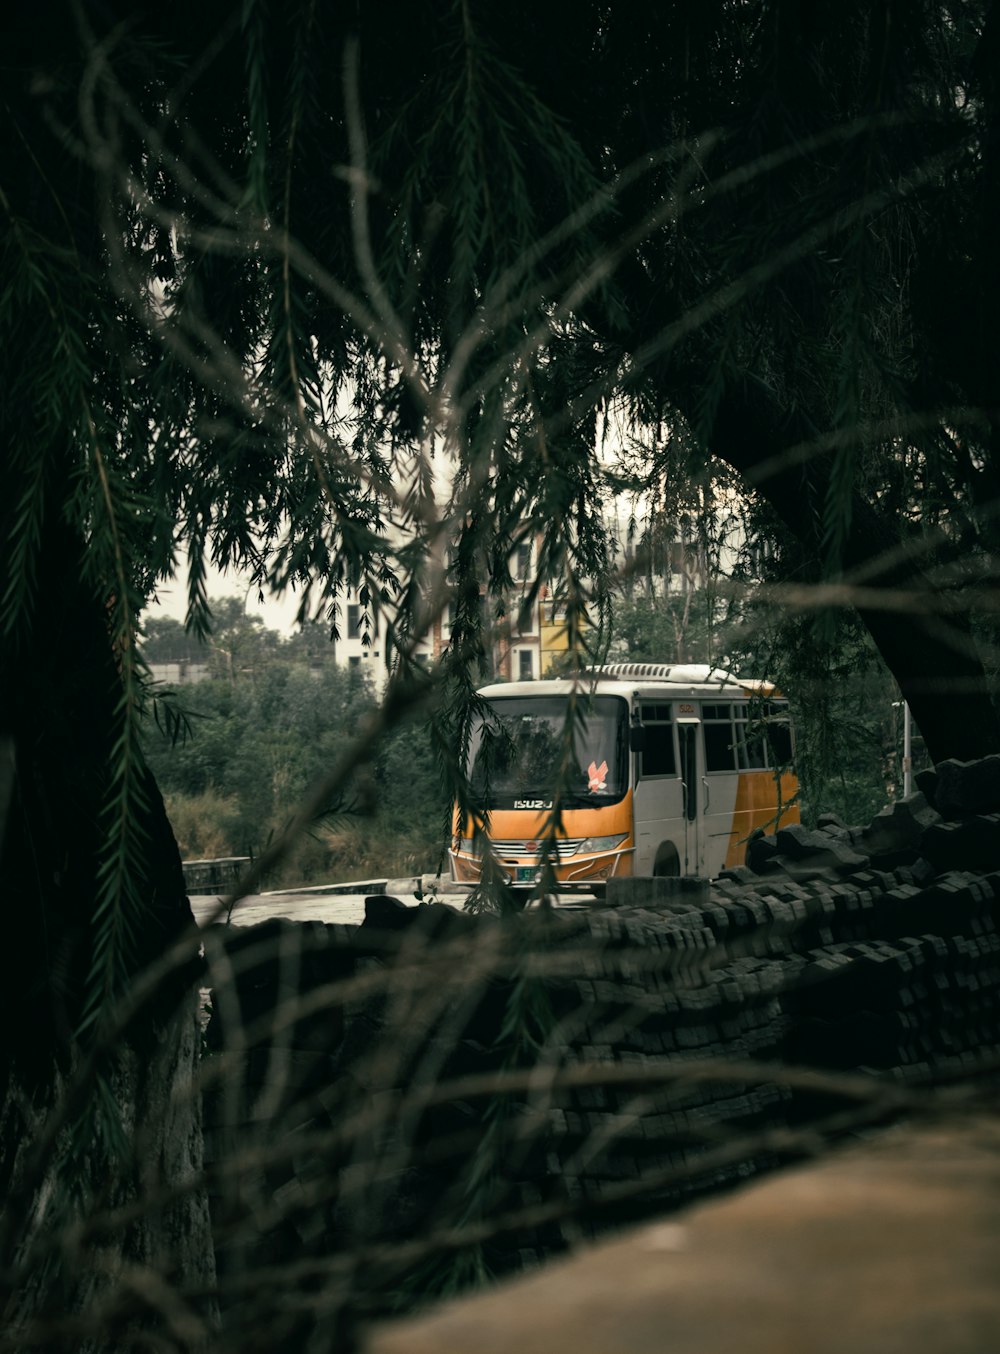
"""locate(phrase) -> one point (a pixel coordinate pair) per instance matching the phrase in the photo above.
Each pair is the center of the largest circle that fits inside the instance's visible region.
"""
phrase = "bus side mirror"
(637, 738)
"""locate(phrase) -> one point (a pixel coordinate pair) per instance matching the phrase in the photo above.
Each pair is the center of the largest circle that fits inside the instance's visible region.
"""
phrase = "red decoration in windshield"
(597, 776)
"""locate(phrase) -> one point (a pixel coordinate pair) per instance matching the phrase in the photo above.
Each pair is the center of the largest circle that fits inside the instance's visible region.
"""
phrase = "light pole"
(907, 749)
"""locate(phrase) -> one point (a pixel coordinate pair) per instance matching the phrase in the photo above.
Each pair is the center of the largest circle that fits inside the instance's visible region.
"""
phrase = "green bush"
(253, 743)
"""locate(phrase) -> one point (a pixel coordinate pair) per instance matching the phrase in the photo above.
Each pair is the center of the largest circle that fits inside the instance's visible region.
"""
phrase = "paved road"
(347, 908)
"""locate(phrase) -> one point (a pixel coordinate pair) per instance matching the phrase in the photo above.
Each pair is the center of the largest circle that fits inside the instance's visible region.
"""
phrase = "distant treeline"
(235, 754)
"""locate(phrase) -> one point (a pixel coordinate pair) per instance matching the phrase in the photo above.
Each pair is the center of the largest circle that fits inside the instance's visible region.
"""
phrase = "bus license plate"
(525, 874)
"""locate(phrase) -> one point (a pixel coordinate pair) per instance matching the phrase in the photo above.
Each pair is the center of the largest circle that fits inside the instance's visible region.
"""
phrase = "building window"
(354, 661)
(527, 619)
(353, 621)
(525, 665)
(522, 562)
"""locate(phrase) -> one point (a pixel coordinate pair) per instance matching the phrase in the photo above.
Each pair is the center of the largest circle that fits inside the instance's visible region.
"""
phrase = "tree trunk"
(925, 640)
(66, 1290)
(60, 688)
(136, 1129)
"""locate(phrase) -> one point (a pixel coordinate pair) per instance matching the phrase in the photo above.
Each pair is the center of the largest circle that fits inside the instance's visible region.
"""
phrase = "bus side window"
(717, 722)
(658, 742)
(749, 742)
(750, 745)
(779, 738)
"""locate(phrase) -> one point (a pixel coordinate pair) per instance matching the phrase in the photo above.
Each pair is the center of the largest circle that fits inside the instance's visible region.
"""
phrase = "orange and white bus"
(672, 768)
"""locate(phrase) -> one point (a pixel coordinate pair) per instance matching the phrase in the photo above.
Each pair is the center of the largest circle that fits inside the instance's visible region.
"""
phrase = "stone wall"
(398, 1109)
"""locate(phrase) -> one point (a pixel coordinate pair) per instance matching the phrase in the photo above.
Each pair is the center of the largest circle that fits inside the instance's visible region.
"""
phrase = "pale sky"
(276, 613)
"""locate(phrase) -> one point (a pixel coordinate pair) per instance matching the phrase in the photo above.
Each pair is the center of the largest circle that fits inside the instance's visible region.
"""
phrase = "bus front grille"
(531, 850)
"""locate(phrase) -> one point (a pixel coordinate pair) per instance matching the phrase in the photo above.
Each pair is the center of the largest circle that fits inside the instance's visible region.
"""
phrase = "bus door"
(728, 758)
(661, 829)
(705, 755)
(690, 765)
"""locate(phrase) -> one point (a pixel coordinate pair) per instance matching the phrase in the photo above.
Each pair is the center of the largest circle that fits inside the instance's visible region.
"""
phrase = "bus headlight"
(593, 845)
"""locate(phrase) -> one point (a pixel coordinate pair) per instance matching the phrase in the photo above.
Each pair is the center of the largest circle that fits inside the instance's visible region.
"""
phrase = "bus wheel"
(668, 862)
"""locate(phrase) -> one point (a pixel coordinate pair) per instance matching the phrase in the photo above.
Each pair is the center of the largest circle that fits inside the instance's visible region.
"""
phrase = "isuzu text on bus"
(670, 770)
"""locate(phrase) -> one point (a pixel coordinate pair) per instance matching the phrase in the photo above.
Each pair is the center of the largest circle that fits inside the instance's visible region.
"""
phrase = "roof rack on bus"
(688, 673)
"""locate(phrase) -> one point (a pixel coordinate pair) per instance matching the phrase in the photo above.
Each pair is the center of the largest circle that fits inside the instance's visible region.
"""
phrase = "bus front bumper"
(574, 871)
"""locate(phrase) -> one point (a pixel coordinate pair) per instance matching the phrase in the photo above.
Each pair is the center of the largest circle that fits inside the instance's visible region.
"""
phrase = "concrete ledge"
(888, 1248)
(428, 886)
(330, 890)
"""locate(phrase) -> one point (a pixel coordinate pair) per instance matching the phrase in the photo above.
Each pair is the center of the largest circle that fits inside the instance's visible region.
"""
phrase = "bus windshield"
(515, 753)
